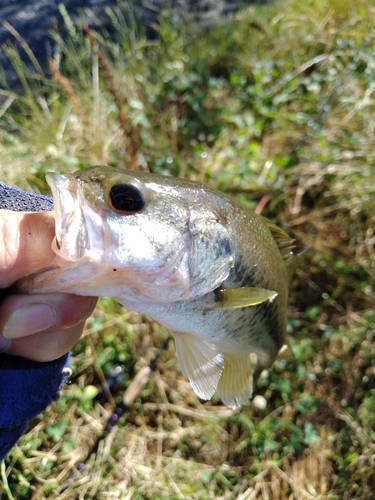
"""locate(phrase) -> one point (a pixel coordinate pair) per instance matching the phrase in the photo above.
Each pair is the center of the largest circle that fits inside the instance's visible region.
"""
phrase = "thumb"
(25, 244)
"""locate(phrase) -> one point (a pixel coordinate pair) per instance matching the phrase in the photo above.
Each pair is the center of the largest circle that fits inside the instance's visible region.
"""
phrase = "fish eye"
(127, 198)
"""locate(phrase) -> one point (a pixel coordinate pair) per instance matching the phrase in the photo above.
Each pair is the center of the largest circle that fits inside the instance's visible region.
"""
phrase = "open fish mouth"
(71, 237)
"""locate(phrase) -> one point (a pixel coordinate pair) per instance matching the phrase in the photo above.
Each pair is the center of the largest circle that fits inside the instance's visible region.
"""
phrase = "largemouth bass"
(193, 259)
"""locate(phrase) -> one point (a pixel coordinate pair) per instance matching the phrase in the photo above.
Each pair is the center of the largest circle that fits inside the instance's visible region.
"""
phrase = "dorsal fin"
(294, 260)
(286, 246)
(283, 240)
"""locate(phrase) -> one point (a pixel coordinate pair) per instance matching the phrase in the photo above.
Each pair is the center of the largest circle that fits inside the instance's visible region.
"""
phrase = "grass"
(274, 106)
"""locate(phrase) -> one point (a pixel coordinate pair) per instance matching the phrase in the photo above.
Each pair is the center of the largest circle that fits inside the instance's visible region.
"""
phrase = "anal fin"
(235, 385)
(200, 362)
(285, 352)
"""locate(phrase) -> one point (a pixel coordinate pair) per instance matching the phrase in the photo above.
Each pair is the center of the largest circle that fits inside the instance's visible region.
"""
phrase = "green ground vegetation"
(274, 105)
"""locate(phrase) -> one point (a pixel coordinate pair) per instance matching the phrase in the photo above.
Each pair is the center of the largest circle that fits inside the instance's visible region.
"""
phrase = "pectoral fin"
(200, 362)
(242, 297)
(235, 385)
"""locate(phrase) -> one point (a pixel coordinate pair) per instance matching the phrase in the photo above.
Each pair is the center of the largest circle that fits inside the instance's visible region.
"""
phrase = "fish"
(192, 258)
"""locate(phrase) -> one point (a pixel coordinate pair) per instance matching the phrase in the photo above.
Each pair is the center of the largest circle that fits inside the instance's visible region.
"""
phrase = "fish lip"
(70, 240)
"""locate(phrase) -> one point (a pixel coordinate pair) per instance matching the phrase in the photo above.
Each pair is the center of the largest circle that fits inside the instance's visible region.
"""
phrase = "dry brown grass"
(314, 174)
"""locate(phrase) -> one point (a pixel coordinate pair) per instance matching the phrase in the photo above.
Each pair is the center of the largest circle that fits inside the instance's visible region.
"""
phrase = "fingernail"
(29, 319)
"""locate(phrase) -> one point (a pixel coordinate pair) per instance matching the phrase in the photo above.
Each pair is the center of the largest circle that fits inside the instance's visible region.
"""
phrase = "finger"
(46, 346)
(25, 246)
(25, 315)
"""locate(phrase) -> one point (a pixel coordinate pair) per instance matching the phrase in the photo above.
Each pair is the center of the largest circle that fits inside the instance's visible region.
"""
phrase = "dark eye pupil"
(127, 198)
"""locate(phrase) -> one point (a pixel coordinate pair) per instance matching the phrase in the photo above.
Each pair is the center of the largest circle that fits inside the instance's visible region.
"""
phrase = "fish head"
(128, 234)
(121, 221)
(103, 211)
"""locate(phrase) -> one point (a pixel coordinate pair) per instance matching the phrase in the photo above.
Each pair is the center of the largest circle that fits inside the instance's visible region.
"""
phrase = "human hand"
(41, 327)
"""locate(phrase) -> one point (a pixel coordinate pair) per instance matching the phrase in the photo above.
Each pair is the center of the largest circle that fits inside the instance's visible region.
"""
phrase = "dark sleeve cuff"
(26, 389)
